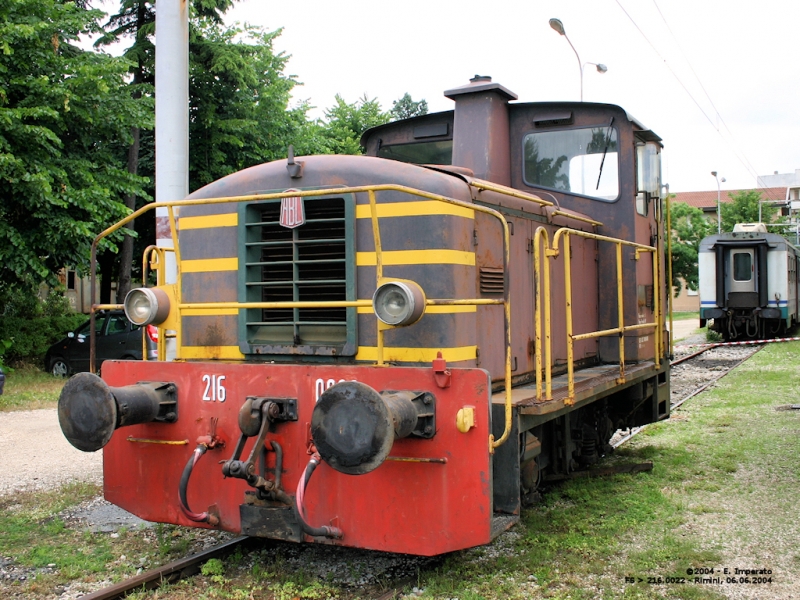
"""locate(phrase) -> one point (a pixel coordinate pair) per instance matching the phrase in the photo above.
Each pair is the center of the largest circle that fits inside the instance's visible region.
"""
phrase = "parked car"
(117, 338)
(2, 381)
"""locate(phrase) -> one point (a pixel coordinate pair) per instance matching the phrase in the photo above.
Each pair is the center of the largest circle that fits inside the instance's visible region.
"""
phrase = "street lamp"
(558, 27)
(719, 214)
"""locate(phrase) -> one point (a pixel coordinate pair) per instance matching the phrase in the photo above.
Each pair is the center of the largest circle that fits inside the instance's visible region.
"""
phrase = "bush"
(29, 326)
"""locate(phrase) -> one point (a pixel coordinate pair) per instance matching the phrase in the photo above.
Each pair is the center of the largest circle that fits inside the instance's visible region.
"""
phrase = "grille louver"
(307, 263)
(491, 280)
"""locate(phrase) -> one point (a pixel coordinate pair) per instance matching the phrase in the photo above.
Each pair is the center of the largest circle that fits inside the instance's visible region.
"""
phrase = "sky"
(718, 80)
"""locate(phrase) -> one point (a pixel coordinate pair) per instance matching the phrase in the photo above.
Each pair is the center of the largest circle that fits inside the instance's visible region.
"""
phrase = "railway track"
(692, 373)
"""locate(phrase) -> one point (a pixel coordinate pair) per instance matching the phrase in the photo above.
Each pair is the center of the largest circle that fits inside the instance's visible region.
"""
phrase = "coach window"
(742, 266)
(579, 161)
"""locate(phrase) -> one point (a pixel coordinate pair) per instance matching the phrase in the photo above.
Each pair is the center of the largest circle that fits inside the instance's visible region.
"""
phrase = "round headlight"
(145, 306)
(399, 303)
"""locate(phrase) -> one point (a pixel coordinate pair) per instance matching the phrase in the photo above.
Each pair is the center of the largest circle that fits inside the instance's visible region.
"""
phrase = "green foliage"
(744, 208)
(65, 117)
(239, 98)
(689, 227)
(344, 123)
(32, 325)
(405, 108)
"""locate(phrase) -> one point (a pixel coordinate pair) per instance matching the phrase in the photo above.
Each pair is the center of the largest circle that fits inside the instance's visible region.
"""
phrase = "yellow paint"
(431, 308)
(167, 442)
(415, 209)
(208, 312)
(465, 419)
(209, 221)
(422, 355)
(211, 352)
(209, 265)
(417, 257)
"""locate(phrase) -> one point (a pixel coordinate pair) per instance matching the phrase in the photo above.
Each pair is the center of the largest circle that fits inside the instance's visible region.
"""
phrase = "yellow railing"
(371, 191)
(542, 294)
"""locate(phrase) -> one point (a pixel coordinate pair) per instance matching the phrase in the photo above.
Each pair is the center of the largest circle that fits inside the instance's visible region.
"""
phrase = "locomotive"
(431, 330)
(748, 283)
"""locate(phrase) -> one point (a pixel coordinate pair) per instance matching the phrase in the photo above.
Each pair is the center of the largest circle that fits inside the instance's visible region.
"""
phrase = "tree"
(344, 123)
(65, 120)
(405, 108)
(239, 102)
(689, 227)
(136, 20)
(744, 208)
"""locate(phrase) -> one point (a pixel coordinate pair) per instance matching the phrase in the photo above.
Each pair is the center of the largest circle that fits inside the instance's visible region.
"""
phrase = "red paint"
(416, 508)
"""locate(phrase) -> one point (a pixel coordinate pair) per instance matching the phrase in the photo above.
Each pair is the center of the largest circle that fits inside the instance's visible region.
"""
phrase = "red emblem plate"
(292, 213)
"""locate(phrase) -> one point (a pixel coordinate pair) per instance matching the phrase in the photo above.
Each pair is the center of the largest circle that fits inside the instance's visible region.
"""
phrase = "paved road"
(36, 456)
(684, 328)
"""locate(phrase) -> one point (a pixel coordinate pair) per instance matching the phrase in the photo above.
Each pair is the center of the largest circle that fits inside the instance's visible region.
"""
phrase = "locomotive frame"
(493, 384)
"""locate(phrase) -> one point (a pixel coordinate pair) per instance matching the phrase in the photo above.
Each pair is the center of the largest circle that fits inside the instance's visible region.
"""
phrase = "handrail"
(621, 328)
(370, 190)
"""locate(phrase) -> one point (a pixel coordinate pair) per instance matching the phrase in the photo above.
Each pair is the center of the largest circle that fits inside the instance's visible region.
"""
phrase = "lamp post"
(719, 214)
(558, 27)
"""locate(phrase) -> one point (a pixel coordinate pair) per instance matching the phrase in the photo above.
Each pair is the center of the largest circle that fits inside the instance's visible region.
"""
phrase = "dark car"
(117, 338)
(2, 381)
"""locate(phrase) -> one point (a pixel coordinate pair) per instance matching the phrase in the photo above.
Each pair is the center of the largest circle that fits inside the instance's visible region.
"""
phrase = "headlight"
(399, 303)
(144, 306)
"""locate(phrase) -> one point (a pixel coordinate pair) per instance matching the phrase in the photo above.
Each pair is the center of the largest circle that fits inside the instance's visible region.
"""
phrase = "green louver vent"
(312, 262)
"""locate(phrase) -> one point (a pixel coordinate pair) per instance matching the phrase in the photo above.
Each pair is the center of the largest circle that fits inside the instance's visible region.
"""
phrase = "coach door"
(741, 279)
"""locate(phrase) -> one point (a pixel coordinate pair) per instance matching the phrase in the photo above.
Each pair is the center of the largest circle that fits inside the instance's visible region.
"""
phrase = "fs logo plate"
(292, 213)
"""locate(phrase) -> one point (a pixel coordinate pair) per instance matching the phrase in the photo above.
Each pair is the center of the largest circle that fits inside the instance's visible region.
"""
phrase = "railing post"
(568, 293)
(620, 314)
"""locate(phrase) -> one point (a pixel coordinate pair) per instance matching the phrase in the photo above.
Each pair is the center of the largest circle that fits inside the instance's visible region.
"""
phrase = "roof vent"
(750, 228)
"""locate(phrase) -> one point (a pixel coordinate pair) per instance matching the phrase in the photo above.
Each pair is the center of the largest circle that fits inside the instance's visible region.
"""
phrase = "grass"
(685, 316)
(29, 388)
(49, 550)
(722, 494)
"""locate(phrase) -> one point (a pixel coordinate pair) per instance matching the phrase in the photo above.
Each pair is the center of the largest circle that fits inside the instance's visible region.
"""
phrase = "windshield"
(579, 161)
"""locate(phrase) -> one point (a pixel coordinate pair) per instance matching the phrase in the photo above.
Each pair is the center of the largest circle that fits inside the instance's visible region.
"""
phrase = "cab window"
(580, 161)
(422, 153)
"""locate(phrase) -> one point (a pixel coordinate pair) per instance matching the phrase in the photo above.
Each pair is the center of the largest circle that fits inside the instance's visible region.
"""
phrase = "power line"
(740, 156)
(751, 168)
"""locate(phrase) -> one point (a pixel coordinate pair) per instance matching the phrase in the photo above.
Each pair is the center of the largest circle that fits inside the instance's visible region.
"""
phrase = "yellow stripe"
(205, 265)
(417, 257)
(367, 353)
(423, 355)
(208, 312)
(211, 352)
(415, 209)
(208, 221)
(367, 310)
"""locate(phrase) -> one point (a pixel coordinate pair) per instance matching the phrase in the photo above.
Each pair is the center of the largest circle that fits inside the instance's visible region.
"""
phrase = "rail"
(371, 191)
(543, 341)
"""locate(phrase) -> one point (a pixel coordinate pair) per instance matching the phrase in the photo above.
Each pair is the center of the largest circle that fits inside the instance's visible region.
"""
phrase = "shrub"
(29, 326)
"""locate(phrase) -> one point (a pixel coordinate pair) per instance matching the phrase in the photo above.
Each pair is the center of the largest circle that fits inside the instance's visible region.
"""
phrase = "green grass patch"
(685, 316)
(29, 388)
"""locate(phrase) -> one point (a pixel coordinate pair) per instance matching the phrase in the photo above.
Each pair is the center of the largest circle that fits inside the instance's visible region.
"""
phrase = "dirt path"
(48, 459)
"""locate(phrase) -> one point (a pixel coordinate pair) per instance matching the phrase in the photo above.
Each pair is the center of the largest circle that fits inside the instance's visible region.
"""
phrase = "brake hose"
(203, 517)
(299, 510)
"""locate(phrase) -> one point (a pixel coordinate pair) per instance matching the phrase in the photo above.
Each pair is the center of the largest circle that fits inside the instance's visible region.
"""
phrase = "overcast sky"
(741, 55)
